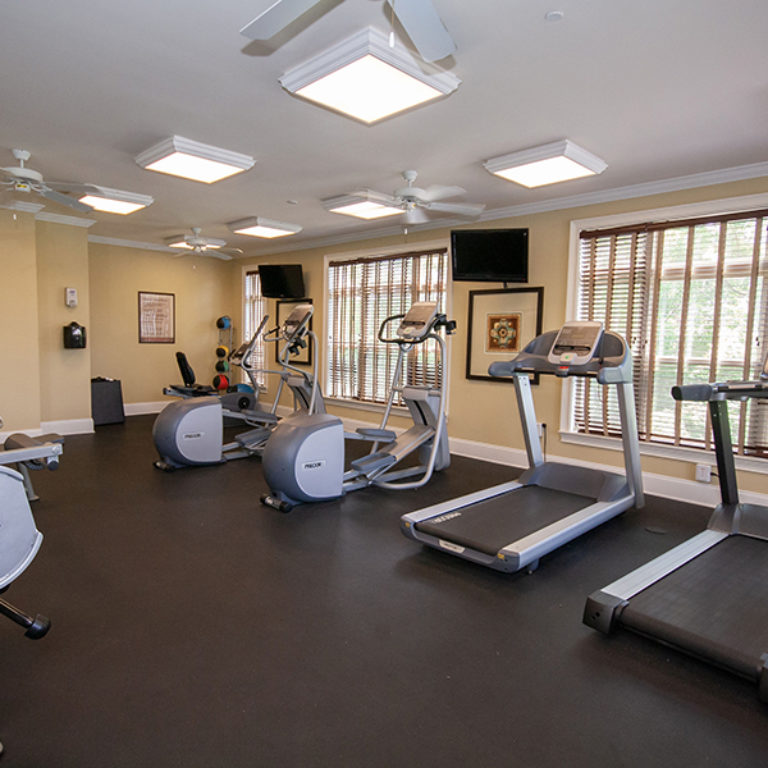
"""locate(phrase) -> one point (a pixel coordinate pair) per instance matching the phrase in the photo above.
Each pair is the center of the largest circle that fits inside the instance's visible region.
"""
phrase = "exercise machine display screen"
(576, 342)
(418, 318)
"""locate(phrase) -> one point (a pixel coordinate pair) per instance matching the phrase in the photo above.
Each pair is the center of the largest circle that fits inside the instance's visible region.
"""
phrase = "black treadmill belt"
(490, 525)
(715, 606)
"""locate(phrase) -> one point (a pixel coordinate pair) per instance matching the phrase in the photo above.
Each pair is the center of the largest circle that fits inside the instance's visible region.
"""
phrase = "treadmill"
(708, 596)
(510, 526)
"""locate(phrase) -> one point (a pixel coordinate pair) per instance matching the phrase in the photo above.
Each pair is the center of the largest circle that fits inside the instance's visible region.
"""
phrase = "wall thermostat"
(70, 297)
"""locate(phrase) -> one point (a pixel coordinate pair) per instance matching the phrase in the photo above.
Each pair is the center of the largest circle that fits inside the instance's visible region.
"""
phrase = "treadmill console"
(575, 343)
(417, 321)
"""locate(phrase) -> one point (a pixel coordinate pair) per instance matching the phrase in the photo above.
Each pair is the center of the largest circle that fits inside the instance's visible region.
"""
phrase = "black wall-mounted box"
(74, 336)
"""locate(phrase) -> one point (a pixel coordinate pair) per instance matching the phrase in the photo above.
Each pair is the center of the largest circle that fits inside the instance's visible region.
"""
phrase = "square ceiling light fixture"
(114, 200)
(257, 226)
(189, 159)
(366, 78)
(559, 161)
(362, 205)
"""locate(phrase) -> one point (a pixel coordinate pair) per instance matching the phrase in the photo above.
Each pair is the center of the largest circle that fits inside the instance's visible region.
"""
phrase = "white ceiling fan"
(22, 179)
(203, 246)
(418, 18)
(419, 203)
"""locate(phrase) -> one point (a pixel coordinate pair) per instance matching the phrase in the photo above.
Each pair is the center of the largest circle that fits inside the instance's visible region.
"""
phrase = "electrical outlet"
(703, 473)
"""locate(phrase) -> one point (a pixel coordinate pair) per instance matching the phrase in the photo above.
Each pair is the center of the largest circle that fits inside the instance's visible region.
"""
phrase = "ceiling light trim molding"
(373, 41)
(562, 148)
(118, 195)
(368, 49)
(166, 147)
(335, 204)
(280, 228)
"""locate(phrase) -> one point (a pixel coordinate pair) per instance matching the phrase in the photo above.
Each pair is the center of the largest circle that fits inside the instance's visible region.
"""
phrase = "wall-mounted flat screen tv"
(490, 255)
(282, 281)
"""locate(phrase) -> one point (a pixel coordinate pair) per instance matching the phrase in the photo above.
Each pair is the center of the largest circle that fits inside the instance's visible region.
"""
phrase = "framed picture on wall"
(284, 308)
(157, 318)
(501, 322)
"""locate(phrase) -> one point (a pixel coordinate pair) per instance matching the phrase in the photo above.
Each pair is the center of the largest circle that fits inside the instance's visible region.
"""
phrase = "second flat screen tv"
(282, 281)
(490, 255)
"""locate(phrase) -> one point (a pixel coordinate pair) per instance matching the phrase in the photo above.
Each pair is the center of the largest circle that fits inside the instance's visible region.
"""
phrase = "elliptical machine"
(303, 461)
(190, 432)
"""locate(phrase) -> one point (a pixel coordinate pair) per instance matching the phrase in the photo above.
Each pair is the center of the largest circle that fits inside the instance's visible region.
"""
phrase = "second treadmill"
(708, 596)
(510, 526)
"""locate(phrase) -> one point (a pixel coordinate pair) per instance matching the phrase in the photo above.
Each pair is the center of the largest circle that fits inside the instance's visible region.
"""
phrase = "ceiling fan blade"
(57, 197)
(461, 209)
(216, 254)
(278, 16)
(231, 251)
(440, 192)
(74, 187)
(422, 24)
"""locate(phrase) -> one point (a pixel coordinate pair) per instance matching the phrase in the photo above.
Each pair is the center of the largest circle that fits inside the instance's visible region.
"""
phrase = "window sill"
(692, 455)
(357, 405)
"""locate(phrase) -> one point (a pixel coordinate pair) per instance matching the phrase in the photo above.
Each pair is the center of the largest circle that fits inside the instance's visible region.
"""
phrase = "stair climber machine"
(510, 526)
(708, 596)
(190, 432)
(304, 458)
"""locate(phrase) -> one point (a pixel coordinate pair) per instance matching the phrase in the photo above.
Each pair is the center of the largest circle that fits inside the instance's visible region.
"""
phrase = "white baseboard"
(141, 409)
(62, 427)
(67, 427)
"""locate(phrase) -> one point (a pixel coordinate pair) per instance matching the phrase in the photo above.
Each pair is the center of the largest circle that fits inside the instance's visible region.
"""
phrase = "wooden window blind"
(255, 309)
(361, 294)
(691, 298)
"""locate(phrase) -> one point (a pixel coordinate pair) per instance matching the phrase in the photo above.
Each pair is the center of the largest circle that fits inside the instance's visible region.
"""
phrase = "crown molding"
(130, 244)
(674, 184)
(60, 218)
(23, 206)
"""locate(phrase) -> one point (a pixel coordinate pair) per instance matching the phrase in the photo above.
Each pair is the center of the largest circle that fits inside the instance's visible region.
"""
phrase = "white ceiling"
(658, 89)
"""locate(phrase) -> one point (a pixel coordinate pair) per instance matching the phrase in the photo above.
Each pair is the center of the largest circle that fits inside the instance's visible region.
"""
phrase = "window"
(255, 309)
(363, 292)
(691, 298)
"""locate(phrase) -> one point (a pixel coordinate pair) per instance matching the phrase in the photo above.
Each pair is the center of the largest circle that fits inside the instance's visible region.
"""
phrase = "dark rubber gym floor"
(193, 627)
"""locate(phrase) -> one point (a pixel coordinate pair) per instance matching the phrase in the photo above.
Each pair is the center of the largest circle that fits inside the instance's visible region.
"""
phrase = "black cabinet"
(106, 402)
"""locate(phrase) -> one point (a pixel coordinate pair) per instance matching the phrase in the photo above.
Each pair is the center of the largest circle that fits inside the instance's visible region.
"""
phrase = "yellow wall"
(203, 292)
(485, 411)
(62, 262)
(20, 369)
